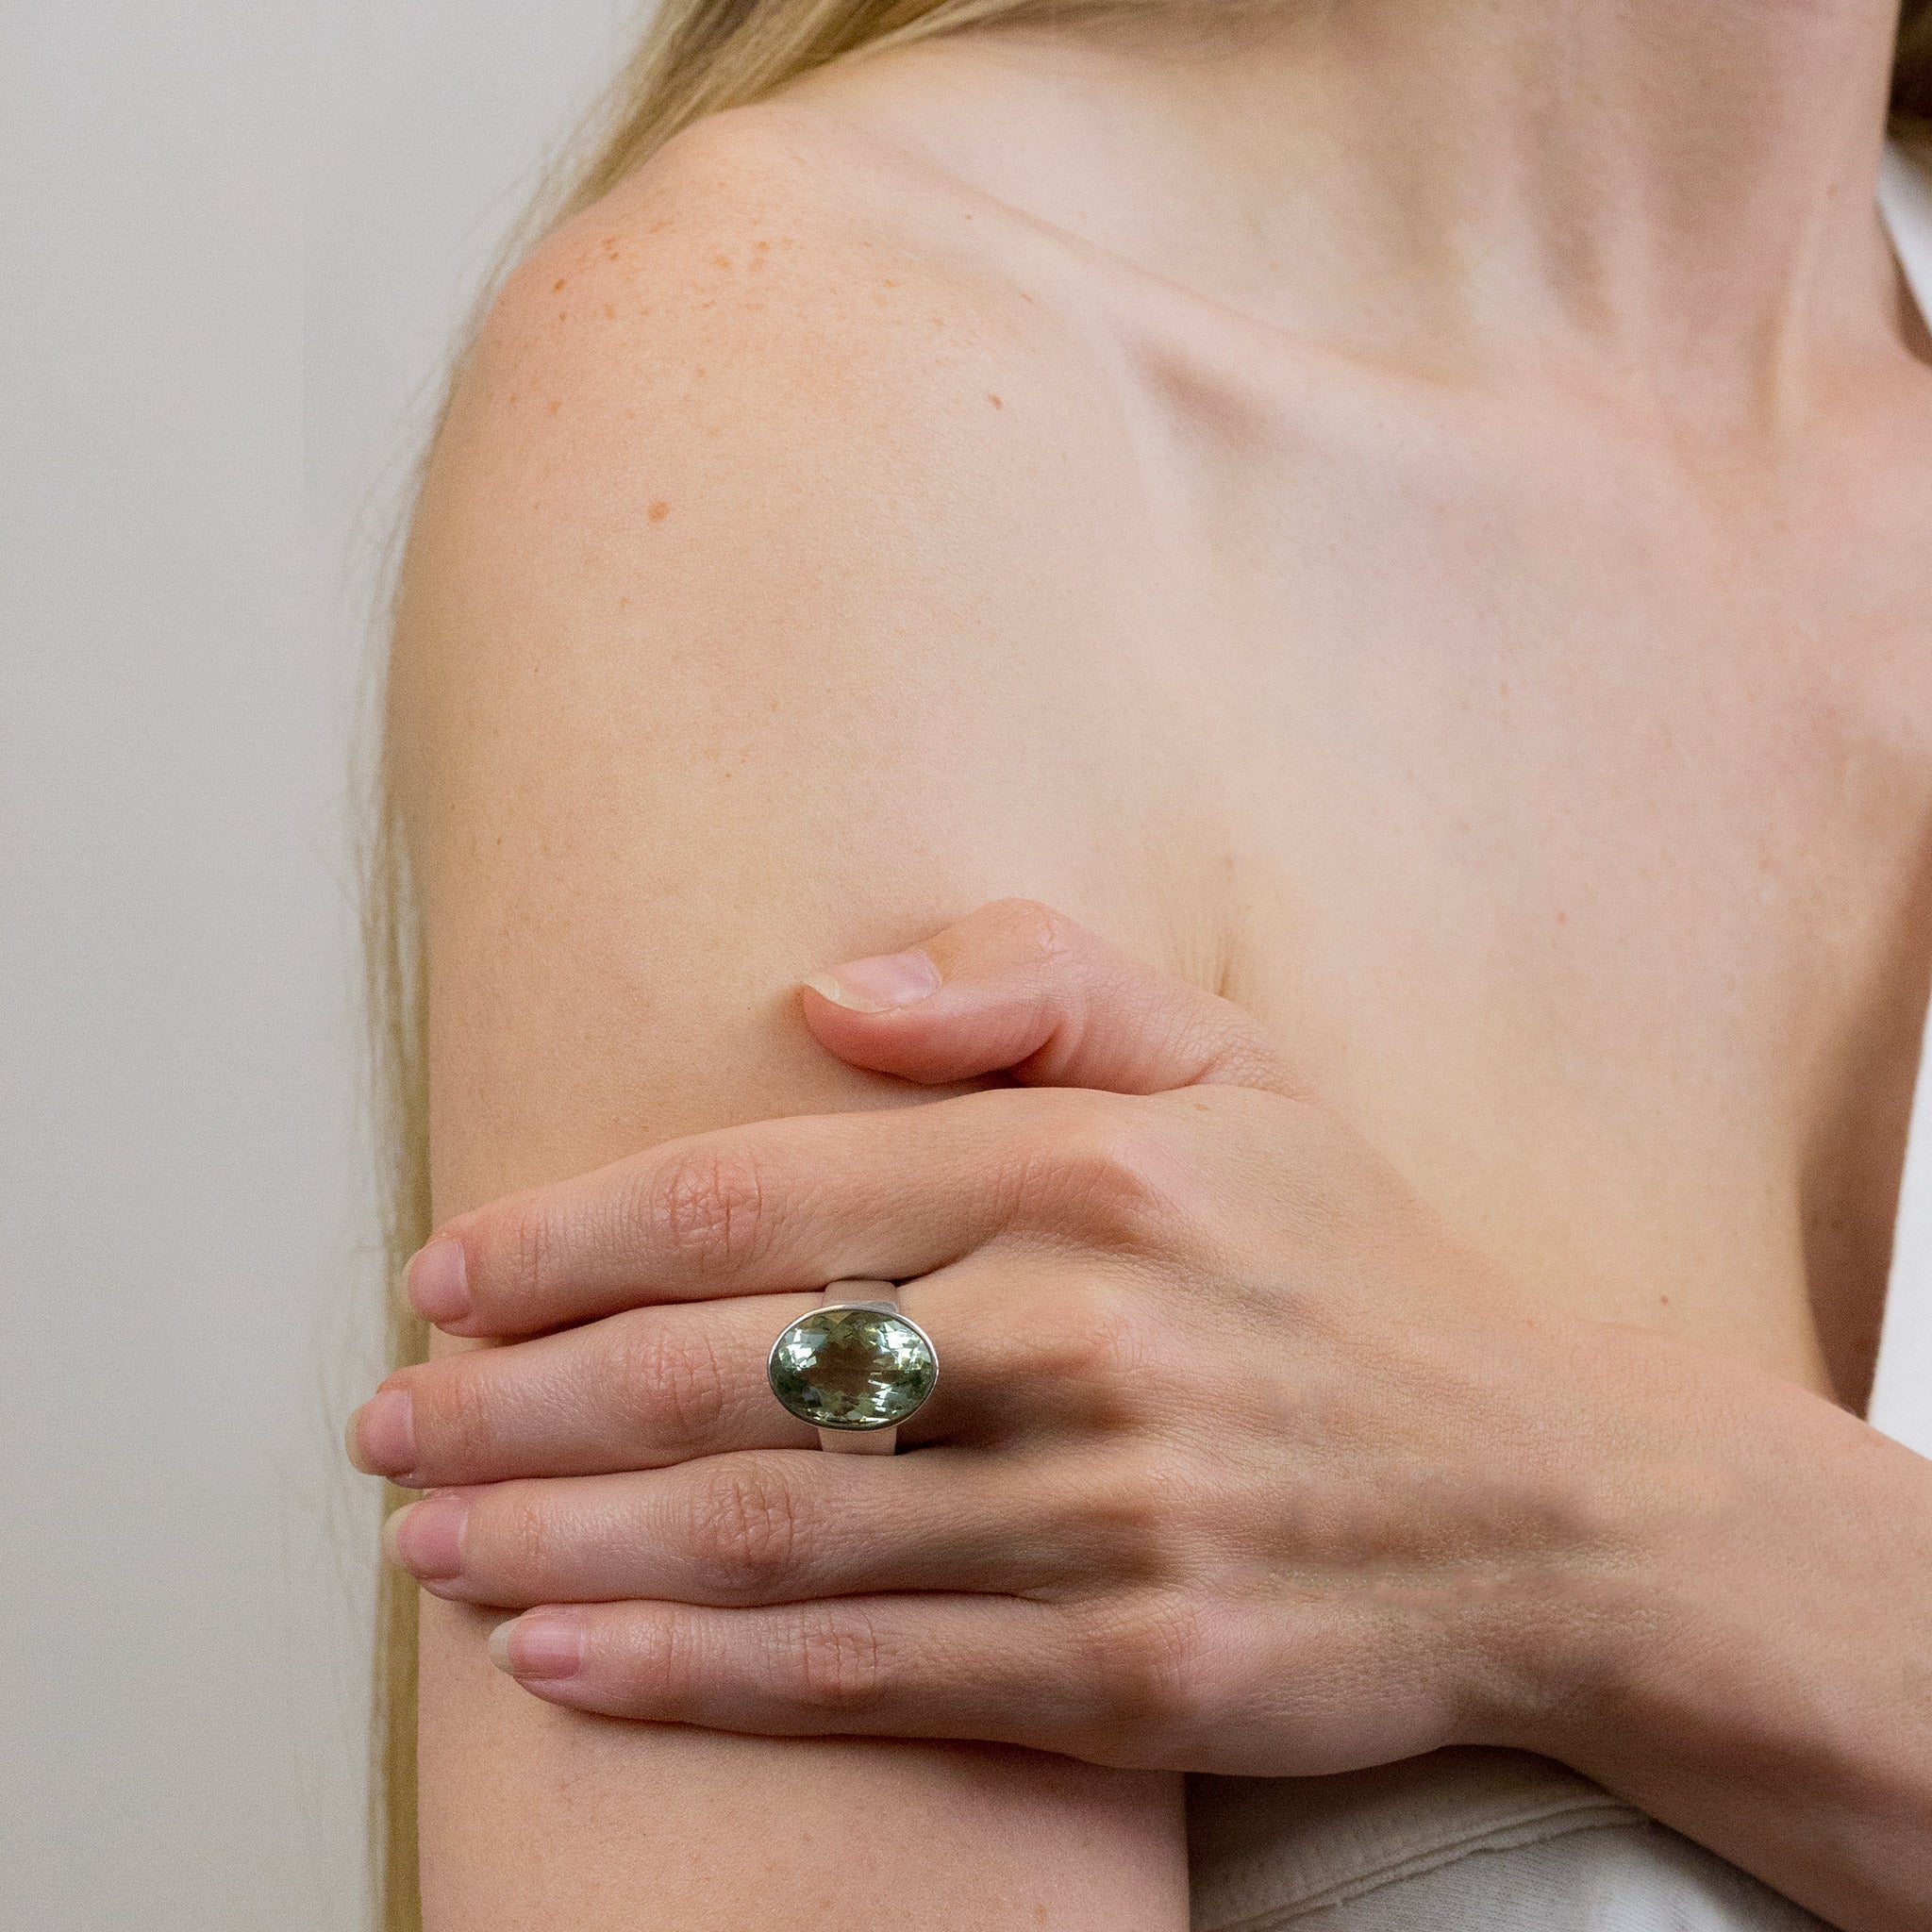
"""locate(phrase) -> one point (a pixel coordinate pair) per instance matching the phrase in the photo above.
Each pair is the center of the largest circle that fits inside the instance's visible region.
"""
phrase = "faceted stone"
(852, 1368)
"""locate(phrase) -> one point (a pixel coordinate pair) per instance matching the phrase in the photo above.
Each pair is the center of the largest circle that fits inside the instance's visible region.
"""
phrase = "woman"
(1407, 528)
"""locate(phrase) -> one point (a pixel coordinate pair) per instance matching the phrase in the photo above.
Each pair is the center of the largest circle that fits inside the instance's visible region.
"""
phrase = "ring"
(855, 1368)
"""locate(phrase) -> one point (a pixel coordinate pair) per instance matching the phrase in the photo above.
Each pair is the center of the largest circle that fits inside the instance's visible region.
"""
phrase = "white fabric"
(1497, 1840)
(1463, 1841)
(1901, 1390)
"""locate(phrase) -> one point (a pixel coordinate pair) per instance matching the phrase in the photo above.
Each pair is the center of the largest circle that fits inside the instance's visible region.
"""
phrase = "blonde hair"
(699, 57)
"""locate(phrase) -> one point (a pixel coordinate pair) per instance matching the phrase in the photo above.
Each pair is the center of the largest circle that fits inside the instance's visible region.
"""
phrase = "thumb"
(1017, 987)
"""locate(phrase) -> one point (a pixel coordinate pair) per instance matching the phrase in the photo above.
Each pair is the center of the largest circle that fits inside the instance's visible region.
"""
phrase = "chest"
(1571, 822)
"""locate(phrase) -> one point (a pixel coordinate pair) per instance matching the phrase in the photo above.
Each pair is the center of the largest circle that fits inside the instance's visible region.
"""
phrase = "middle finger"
(774, 1205)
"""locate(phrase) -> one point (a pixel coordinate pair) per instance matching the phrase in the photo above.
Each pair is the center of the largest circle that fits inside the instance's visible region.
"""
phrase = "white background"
(237, 236)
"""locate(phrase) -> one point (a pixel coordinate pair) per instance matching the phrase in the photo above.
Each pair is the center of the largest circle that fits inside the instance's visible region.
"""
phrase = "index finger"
(770, 1206)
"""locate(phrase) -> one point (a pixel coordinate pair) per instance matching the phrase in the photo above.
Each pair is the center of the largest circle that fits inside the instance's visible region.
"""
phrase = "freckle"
(756, 261)
(698, 372)
(761, 246)
(624, 603)
(657, 228)
(659, 512)
(721, 261)
(889, 283)
(1663, 1301)
(995, 400)
(555, 404)
(609, 313)
(937, 321)
(1563, 917)
(557, 288)
(561, 316)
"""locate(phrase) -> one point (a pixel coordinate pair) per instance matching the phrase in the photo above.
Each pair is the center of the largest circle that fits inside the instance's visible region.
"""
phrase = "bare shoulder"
(777, 209)
(757, 612)
(770, 287)
(773, 356)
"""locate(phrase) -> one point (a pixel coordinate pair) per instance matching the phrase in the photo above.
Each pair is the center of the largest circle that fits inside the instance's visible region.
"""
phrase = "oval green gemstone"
(852, 1368)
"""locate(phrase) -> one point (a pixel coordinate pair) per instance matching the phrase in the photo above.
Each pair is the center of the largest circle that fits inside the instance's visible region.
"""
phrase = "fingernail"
(426, 1538)
(382, 1434)
(878, 984)
(439, 1283)
(540, 1643)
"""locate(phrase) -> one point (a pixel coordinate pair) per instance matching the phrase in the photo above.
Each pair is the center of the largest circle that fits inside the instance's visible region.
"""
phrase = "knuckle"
(703, 1209)
(456, 1415)
(514, 1536)
(519, 1249)
(837, 1661)
(670, 1372)
(1148, 1663)
(1107, 1173)
(663, 1665)
(749, 1531)
(1126, 1515)
(1100, 1351)
(1028, 931)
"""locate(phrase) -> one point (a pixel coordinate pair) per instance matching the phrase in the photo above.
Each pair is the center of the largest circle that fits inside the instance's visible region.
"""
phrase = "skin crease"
(1384, 591)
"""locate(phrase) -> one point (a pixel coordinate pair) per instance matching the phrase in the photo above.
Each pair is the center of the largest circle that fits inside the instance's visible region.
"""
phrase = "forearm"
(1769, 1688)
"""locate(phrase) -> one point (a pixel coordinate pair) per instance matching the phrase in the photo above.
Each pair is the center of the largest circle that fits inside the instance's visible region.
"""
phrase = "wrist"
(1682, 1577)
(1740, 1647)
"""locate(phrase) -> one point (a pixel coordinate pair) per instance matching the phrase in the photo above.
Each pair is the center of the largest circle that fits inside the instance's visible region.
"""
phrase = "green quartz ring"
(853, 1367)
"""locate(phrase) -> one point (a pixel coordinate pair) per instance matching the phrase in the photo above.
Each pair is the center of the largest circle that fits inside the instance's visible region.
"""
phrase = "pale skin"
(1453, 583)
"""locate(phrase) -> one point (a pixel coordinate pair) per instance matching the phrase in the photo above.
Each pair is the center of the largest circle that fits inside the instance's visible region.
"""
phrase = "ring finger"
(663, 1385)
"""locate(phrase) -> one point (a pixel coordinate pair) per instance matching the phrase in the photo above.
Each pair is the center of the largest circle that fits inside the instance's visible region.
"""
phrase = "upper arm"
(701, 627)
(730, 643)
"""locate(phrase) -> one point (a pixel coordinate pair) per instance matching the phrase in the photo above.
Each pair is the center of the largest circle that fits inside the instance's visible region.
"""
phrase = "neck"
(1680, 191)
(1640, 167)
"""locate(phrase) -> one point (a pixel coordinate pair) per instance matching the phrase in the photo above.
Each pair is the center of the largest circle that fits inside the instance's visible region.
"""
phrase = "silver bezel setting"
(899, 1314)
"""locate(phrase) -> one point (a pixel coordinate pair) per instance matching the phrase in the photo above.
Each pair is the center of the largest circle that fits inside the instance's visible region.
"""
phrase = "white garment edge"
(1901, 1404)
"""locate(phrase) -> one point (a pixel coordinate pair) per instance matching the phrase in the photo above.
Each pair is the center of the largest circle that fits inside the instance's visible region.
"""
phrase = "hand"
(1238, 1461)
